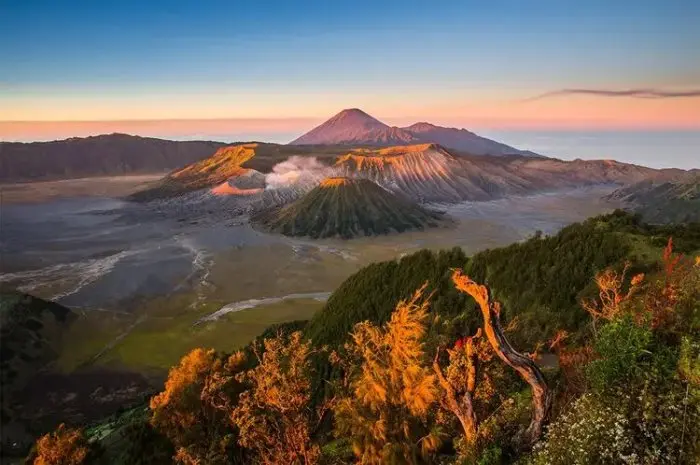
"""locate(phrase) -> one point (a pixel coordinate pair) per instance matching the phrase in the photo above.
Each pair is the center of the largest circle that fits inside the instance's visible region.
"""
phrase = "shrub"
(621, 346)
(589, 433)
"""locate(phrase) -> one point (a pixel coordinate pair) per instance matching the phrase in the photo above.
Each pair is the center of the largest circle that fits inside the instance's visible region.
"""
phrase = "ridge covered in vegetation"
(580, 347)
(30, 336)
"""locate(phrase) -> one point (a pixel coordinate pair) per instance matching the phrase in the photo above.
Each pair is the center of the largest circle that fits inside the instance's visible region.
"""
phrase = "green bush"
(623, 348)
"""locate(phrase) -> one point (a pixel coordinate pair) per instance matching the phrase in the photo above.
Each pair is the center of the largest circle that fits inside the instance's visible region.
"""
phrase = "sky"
(274, 68)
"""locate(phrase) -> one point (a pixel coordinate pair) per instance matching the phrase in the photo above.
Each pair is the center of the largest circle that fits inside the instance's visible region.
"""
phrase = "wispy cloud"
(631, 93)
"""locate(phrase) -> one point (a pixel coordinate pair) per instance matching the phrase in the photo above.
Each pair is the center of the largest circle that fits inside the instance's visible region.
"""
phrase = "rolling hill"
(664, 201)
(345, 207)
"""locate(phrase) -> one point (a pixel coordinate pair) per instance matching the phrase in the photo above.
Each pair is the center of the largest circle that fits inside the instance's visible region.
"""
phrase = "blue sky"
(273, 69)
(156, 51)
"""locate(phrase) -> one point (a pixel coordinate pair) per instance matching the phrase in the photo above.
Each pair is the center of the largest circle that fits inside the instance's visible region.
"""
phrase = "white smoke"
(297, 171)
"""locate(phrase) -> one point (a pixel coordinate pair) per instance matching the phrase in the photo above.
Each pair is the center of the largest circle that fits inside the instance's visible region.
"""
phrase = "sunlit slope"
(232, 163)
(429, 172)
(346, 208)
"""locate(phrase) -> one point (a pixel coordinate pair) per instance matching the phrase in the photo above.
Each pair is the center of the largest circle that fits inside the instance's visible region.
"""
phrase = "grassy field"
(165, 330)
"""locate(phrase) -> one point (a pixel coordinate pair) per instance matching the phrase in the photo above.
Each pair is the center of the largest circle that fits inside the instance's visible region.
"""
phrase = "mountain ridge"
(103, 155)
(425, 172)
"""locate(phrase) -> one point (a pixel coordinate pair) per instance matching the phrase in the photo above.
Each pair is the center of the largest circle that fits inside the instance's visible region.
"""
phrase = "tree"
(193, 408)
(273, 416)
(523, 365)
(65, 446)
(460, 382)
(389, 388)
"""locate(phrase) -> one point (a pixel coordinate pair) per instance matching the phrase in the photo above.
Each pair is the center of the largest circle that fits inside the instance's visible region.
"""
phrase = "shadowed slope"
(31, 330)
(463, 140)
(109, 154)
(346, 208)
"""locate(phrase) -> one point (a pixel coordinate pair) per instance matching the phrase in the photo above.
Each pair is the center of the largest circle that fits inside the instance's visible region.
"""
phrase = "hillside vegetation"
(30, 335)
(582, 347)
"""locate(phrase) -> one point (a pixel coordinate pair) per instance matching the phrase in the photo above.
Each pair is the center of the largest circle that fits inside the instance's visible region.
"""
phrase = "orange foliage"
(572, 362)
(65, 446)
(273, 415)
(610, 293)
(189, 410)
(661, 300)
(390, 388)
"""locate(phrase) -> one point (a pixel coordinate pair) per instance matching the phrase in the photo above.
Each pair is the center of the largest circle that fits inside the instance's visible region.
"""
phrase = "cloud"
(631, 93)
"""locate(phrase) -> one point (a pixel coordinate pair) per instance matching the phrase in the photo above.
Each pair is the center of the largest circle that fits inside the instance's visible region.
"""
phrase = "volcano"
(345, 207)
(355, 127)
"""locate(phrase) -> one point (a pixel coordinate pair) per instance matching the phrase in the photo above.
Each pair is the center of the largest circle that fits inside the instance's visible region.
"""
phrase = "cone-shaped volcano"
(345, 207)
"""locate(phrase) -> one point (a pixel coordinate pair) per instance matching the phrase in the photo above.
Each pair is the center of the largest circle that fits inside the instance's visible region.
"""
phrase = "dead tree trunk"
(526, 368)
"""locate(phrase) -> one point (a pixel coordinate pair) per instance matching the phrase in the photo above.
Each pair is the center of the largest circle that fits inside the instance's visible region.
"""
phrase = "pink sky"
(565, 112)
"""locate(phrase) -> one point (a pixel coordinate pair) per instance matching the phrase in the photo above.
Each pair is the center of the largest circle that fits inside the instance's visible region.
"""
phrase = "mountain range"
(120, 154)
(422, 172)
(354, 127)
(421, 162)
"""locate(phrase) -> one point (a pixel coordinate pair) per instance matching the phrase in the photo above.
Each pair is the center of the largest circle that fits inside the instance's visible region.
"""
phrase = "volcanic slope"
(345, 207)
(430, 173)
(241, 165)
